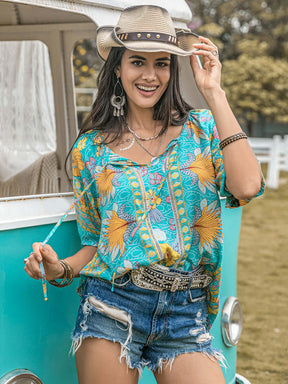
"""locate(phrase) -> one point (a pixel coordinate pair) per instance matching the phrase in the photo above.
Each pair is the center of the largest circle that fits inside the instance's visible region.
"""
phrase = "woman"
(147, 169)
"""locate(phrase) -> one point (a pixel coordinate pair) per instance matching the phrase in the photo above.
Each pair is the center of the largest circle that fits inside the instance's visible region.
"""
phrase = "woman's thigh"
(97, 362)
(191, 368)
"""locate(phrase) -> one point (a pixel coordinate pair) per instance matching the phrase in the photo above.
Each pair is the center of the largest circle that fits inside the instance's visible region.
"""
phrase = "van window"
(87, 64)
(27, 120)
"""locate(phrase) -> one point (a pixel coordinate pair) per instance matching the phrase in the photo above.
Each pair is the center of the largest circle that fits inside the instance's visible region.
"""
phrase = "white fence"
(274, 152)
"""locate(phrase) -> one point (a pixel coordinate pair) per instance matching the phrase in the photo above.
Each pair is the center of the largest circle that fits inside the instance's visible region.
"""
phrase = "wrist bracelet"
(230, 139)
(67, 278)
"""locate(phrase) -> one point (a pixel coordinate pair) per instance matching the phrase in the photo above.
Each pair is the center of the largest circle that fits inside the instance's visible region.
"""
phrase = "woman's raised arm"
(243, 172)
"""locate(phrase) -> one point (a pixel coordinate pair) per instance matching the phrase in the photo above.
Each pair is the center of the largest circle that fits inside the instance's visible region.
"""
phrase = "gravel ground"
(262, 288)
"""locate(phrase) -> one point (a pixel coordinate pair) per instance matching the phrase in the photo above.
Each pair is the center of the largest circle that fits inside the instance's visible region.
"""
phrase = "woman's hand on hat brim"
(208, 78)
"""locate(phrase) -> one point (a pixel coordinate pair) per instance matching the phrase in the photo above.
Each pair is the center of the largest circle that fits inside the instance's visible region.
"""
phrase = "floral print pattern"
(166, 212)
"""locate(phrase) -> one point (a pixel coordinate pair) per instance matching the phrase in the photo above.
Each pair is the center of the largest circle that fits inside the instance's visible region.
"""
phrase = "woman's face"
(145, 77)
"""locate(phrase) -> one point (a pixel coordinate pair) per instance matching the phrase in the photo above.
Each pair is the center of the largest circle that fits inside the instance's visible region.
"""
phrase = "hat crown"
(147, 28)
(145, 18)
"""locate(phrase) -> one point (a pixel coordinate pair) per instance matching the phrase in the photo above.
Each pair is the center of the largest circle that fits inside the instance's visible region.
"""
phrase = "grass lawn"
(262, 287)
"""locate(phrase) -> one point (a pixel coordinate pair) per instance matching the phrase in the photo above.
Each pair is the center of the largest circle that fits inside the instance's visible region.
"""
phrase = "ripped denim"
(152, 327)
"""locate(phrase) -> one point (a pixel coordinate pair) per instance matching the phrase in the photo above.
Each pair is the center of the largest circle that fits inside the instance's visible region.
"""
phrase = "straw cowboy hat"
(146, 28)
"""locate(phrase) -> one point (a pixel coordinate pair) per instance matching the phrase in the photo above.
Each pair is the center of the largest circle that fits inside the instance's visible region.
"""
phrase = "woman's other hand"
(46, 254)
(208, 78)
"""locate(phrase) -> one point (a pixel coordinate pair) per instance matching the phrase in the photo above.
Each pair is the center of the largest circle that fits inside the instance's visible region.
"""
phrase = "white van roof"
(101, 12)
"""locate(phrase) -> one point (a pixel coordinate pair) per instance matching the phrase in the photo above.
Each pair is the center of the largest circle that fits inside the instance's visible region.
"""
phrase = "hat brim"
(106, 38)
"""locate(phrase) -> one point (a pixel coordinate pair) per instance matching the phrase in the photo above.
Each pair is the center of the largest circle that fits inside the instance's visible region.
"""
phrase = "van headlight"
(20, 376)
(231, 321)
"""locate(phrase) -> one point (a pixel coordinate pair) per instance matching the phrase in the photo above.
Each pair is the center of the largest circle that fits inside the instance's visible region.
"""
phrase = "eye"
(137, 63)
(162, 64)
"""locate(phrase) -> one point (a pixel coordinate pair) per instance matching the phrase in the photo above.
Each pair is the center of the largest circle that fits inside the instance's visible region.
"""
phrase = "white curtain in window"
(27, 118)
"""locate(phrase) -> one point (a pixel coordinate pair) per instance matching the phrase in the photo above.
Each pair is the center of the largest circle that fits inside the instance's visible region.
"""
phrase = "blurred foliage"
(257, 86)
(86, 66)
(252, 37)
(236, 20)
(86, 63)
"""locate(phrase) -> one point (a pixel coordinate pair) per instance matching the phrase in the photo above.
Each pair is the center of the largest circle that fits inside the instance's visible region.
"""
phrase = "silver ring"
(214, 52)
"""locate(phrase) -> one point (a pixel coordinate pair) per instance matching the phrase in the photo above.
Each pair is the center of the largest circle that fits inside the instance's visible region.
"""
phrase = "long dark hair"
(171, 108)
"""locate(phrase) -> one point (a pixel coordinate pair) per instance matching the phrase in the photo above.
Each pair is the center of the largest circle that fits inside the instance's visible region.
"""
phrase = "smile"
(146, 89)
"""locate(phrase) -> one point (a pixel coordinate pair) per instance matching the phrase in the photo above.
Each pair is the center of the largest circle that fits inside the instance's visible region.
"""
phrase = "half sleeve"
(87, 212)
(217, 159)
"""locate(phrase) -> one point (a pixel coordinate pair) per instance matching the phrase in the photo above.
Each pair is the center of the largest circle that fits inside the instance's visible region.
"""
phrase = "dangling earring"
(118, 101)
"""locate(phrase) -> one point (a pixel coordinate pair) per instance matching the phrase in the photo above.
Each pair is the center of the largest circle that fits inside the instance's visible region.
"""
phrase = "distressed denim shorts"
(152, 327)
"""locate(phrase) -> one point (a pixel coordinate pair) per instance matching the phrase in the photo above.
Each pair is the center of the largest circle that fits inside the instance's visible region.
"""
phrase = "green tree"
(252, 37)
(232, 20)
(257, 86)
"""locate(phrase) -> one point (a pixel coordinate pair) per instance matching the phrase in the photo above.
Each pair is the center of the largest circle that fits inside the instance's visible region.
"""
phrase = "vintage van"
(38, 125)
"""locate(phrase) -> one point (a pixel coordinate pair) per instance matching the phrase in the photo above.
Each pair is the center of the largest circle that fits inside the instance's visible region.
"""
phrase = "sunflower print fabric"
(166, 212)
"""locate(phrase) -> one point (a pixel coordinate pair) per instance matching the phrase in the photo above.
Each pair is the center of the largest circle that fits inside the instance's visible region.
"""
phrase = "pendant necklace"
(138, 139)
(147, 150)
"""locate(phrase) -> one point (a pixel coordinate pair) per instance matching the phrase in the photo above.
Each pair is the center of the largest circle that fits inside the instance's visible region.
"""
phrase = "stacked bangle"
(230, 139)
(67, 278)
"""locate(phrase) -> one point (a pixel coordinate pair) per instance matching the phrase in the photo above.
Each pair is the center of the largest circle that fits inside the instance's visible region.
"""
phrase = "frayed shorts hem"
(167, 360)
(163, 362)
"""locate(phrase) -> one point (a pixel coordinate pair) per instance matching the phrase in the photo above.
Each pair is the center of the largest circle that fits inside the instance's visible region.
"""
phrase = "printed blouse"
(167, 212)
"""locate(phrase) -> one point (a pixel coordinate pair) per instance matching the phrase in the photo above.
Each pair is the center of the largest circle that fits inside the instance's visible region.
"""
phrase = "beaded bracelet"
(68, 276)
(230, 139)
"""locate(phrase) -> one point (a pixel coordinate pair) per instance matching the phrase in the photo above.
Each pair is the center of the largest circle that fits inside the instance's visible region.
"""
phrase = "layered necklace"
(138, 139)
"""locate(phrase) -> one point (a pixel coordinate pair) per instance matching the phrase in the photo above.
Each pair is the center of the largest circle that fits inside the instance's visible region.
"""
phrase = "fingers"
(48, 254)
(32, 265)
(195, 65)
(208, 75)
(207, 41)
(207, 49)
(36, 251)
(40, 253)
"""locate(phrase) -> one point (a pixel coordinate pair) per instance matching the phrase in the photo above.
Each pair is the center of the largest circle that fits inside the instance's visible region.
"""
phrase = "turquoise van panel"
(36, 334)
(231, 229)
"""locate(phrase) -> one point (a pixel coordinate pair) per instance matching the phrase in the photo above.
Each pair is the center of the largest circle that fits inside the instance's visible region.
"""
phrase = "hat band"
(149, 36)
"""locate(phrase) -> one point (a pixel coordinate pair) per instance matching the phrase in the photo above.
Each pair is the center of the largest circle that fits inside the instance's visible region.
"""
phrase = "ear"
(117, 72)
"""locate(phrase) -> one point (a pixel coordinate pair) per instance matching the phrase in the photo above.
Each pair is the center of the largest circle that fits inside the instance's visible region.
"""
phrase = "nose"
(149, 74)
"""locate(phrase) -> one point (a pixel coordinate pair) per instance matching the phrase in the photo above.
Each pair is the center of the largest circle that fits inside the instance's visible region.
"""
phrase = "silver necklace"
(139, 137)
(146, 150)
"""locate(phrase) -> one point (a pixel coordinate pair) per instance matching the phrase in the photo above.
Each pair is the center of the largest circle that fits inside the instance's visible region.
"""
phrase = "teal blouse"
(166, 212)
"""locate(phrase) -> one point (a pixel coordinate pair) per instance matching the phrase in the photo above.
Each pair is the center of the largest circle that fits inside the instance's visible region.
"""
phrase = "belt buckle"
(175, 284)
(201, 281)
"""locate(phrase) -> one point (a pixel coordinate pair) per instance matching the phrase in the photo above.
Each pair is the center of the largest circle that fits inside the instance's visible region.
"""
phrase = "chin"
(145, 104)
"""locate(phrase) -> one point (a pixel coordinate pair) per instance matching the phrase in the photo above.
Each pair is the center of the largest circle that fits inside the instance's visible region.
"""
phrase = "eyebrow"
(143, 58)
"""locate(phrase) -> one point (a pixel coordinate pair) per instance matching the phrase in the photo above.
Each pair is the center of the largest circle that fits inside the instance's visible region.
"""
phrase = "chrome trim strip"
(241, 379)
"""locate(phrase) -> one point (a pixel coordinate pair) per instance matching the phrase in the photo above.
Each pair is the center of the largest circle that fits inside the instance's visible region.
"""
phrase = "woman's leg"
(191, 368)
(97, 362)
